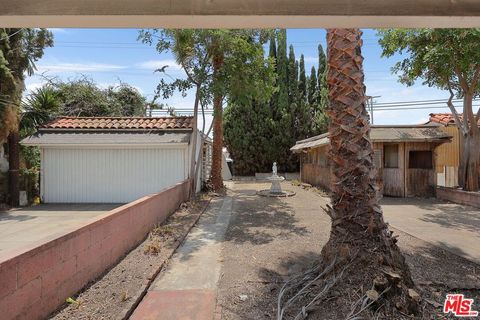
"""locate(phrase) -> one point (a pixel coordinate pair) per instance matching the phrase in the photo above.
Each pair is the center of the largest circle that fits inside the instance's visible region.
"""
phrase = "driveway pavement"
(452, 226)
(27, 226)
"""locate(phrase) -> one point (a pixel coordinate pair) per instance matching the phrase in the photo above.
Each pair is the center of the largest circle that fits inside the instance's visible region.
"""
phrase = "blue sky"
(109, 56)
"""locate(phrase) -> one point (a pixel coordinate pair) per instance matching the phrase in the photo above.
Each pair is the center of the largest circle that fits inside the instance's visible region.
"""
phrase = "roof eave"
(111, 130)
(83, 144)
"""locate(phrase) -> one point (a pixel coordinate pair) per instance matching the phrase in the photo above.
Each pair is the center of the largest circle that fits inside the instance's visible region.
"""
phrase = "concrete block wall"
(34, 282)
(459, 196)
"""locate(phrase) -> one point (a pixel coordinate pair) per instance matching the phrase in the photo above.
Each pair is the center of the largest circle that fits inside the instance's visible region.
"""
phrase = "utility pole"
(369, 103)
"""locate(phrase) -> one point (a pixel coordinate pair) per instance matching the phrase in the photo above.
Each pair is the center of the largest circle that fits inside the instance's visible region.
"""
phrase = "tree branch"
(459, 123)
(475, 79)
(209, 129)
(461, 78)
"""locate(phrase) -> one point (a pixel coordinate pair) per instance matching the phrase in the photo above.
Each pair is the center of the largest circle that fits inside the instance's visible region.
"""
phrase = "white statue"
(274, 169)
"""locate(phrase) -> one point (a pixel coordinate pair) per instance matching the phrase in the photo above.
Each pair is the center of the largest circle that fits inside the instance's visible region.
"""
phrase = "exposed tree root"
(366, 288)
(368, 274)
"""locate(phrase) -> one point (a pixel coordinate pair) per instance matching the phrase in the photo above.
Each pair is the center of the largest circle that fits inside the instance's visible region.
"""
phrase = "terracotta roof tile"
(120, 123)
(445, 118)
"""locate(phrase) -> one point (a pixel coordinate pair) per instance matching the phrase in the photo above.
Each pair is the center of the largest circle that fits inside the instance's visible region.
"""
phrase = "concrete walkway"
(451, 226)
(23, 227)
(186, 289)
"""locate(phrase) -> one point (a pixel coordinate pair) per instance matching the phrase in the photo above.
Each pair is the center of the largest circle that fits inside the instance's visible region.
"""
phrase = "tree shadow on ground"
(255, 219)
(449, 215)
(456, 217)
(266, 289)
(259, 220)
(435, 271)
(8, 216)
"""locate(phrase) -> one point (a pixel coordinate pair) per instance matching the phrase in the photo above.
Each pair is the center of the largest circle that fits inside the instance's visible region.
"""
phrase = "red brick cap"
(120, 123)
(445, 118)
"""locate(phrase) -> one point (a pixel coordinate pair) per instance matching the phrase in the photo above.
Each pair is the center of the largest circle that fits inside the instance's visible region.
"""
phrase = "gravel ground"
(270, 238)
(113, 295)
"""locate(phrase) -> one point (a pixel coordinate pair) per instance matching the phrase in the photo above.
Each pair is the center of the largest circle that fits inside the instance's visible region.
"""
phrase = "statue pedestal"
(276, 188)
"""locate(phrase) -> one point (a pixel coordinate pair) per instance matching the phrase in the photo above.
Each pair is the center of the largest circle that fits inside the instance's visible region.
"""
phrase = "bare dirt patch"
(269, 240)
(114, 294)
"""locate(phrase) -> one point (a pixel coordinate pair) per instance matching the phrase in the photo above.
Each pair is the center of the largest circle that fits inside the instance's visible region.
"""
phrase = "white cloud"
(33, 86)
(58, 30)
(65, 67)
(157, 64)
(311, 59)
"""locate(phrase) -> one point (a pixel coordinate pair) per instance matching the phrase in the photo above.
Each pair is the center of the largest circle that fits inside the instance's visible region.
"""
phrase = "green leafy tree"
(84, 98)
(248, 133)
(294, 112)
(20, 49)
(126, 100)
(448, 59)
(223, 65)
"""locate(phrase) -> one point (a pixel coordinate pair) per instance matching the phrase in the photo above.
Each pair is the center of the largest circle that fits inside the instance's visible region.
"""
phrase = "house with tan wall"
(448, 155)
(405, 157)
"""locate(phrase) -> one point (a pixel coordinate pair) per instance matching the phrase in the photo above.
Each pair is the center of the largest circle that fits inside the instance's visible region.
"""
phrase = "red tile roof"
(120, 123)
(445, 118)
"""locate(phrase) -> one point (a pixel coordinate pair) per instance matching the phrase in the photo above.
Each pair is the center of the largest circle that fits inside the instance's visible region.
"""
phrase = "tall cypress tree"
(292, 76)
(320, 117)
(282, 70)
(302, 81)
(273, 48)
(282, 133)
(312, 87)
(322, 64)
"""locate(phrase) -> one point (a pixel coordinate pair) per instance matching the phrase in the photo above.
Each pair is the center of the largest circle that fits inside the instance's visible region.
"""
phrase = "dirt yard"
(115, 294)
(270, 239)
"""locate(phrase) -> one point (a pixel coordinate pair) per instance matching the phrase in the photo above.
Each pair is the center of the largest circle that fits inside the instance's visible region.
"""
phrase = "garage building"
(112, 159)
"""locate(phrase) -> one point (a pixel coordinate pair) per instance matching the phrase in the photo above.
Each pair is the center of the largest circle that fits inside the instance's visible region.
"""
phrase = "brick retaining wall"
(459, 196)
(34, 282)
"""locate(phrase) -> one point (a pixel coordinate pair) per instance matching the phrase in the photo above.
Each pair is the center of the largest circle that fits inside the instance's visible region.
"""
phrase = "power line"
(406, 105)
(415, 108)
(403, 103)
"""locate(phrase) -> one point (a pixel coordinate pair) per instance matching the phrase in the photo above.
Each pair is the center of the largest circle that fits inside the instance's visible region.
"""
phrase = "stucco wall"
(36, 281)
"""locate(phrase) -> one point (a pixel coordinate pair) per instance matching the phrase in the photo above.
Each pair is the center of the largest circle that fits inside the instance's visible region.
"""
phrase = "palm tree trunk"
(217, 148)
(358, 234)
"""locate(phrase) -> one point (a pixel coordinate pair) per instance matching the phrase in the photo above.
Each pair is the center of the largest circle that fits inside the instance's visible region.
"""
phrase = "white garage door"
(109, 175)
